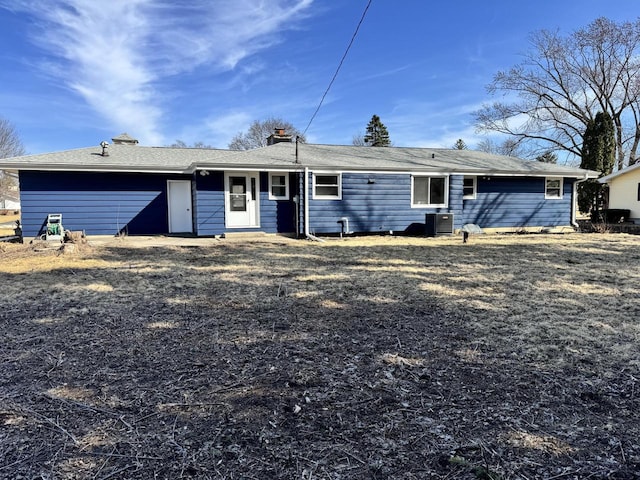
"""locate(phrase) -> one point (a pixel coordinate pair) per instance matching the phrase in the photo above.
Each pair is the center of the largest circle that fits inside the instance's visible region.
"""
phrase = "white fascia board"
(450, 172)
(613, 175)
(379, 172)
(257, 168)
(519, 174)
(64, 168)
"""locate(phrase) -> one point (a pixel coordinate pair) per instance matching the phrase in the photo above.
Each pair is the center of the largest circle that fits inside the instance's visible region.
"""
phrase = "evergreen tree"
(598, 153)
(547, 157)
(459, 145)
(377, 134)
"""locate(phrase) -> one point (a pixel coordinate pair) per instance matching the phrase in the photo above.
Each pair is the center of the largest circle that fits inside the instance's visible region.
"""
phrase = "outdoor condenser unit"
(438, 224)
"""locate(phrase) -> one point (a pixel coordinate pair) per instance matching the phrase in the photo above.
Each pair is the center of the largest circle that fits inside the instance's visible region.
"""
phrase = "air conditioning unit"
(438, 224)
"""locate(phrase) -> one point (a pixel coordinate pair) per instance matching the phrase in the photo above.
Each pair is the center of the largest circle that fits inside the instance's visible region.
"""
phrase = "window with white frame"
(278, 186)
(327, 186)
(553, 187)
(429, 191)
(469, 187)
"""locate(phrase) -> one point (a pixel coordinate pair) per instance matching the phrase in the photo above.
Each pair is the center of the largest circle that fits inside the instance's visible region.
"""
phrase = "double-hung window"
(327, 186)
(278, 186)
(553, 188)
(469, 187)
(429, 191)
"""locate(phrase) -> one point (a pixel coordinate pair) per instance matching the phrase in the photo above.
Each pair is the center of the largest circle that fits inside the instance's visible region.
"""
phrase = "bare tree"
(10, 143)
(182, 144)
(258, 132)
(358, 140)
(10, 146)
(509, 147)
(563, 82)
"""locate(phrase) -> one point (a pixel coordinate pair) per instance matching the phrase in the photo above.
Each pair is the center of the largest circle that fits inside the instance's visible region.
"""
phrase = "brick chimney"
(279, 136)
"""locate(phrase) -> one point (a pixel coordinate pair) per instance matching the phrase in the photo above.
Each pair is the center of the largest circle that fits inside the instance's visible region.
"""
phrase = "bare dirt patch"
(383, 358)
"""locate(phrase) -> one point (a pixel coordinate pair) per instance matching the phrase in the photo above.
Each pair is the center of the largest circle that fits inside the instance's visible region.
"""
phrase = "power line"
(364, 14)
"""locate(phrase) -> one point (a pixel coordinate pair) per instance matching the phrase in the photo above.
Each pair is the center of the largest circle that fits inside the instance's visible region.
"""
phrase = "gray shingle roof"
(283, 156)
(412, 159)
(120, 158)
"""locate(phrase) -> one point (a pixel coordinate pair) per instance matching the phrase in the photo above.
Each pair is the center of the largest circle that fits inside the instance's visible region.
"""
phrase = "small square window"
(469, 188)
(278, 186)
(553, 188)
(327, 186)
(639, 192)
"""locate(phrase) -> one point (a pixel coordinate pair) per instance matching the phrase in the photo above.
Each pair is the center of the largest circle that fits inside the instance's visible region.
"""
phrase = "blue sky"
(76, 72)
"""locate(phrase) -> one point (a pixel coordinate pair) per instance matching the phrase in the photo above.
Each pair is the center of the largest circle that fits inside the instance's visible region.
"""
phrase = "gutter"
(574, 204)
(306, 208)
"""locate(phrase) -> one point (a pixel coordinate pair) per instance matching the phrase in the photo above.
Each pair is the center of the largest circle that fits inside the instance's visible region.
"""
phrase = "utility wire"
(339, 66)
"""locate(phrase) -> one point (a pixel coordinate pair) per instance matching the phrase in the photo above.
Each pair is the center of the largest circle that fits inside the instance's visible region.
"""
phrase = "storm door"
(241, 199)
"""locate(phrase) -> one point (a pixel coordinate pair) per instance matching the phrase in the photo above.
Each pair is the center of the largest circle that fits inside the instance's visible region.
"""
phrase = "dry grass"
(400, 358)
(8, 220)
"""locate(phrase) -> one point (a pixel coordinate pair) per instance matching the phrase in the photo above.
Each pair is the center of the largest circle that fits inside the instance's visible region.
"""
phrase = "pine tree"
(547, 157)
(598, 153)
(459, 145)
(377, 134)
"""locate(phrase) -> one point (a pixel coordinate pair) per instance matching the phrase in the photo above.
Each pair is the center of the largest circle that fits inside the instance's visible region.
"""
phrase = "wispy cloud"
(216, 130)
(433, 123)
(117, 54)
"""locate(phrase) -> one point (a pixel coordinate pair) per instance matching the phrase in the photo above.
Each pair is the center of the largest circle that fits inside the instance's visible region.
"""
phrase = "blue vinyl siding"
(109, 203)
(209, 204)
(380, 206)
(276, 216)
(98, 203)
(517, 202)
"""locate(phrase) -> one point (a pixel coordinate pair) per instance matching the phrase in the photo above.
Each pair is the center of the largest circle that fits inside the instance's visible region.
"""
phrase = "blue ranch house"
(289, 188)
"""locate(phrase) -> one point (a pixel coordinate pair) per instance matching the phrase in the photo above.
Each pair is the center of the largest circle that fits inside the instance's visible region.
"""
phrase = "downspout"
(574, 204)
(306, 208)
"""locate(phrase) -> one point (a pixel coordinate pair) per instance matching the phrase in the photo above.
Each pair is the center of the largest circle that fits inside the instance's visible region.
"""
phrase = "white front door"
(241, 199)
(179, 199)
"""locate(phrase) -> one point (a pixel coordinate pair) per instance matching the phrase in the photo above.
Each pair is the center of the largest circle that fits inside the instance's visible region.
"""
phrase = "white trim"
(624, 171)
(326, 174)
(474, 195)
(286, 186)
(574, 201)
(266, 168)
(305, 192)
(257, 168)
(490, 173)
(255, 202)
(431, 205)
(553, 197)
(62, 168)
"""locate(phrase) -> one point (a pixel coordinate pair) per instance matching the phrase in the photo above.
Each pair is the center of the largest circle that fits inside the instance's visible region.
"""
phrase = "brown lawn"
(512, 357)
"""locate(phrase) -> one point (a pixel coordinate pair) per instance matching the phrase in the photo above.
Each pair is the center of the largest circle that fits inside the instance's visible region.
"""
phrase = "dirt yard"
(511, 357)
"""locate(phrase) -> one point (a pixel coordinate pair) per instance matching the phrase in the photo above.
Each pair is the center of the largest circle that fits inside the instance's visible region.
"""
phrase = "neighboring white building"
(9, 202)
(10, 195)
(624, 190)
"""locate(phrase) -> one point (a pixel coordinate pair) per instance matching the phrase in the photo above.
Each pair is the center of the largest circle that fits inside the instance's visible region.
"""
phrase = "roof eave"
(624, 171)
(99, 168)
